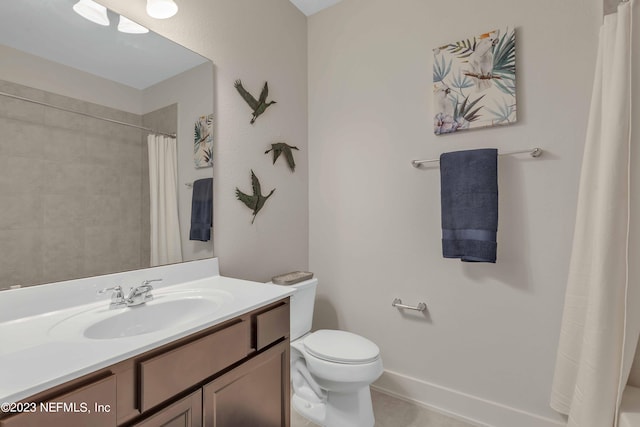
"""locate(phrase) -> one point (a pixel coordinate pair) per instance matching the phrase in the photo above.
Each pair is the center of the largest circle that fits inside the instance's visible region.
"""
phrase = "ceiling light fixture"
(161, 9)
(125, 25)
(92, 11)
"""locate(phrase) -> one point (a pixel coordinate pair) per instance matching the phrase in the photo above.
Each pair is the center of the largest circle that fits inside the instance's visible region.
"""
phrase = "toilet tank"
(301, 307)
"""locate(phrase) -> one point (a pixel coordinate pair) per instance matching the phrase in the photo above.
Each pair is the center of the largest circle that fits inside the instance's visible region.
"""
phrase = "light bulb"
(161, 9)
(125, 25)
(92, 11)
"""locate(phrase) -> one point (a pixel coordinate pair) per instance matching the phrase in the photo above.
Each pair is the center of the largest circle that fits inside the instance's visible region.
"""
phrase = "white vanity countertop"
(40, 351)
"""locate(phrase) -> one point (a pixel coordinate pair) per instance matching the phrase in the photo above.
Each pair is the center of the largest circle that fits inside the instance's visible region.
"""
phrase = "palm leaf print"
(440, 70)
(503, 113)
(465, 110)
(462, 49)
(461, 81)
(504, 63)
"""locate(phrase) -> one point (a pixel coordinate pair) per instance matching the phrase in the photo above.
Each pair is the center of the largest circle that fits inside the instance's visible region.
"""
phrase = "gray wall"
(255, 41)
(489, 340)
(609, 6)
(70, 190)
(192, 91)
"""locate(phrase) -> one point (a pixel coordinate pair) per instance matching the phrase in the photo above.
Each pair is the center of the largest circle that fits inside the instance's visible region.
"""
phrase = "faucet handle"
(146, 282)
(117, 298)
(141, 294)
(144, 287)
(116, 289)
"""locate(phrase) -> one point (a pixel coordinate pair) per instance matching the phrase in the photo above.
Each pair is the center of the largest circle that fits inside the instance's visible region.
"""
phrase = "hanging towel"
(201, 210)
(469, 197)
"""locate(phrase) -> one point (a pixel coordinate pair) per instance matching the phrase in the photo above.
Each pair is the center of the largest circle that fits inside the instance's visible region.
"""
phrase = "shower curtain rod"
(534, 152)
(21, 98)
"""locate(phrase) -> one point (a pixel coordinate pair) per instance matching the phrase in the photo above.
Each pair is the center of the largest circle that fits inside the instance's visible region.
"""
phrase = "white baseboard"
(462, 406)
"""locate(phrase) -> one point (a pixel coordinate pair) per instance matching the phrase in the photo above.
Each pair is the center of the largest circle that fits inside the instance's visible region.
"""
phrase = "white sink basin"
(144, 319)
(167, 311)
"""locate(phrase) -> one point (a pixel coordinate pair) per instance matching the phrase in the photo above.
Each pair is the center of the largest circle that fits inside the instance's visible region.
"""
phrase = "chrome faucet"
(141, 294)
(138, 295)
(117, 298)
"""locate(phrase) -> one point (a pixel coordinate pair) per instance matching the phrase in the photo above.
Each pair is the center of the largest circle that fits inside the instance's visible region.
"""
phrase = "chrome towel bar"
(397, 303)
(533, 152)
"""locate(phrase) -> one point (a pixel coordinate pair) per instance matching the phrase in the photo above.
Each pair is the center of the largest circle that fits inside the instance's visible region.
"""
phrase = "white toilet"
(330, 370)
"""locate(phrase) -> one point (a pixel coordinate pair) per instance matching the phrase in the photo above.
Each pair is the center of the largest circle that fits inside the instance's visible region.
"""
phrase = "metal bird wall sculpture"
(281, 147)
(256, 201)
(258, 106)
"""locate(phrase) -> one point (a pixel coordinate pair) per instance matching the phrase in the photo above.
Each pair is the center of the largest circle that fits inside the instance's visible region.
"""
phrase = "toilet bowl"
(330, 370)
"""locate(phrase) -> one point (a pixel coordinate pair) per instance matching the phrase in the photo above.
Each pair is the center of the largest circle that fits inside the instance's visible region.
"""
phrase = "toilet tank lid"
(341, 347)
(292, 278)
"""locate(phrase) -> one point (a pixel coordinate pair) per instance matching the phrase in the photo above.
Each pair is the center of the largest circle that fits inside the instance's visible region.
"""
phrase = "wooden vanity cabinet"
(231, 375)
(174, 371)
(186, 412)
(254, 394)
(73, 408)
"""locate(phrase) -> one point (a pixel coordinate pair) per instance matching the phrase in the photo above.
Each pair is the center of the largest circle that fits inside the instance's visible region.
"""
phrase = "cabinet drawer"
(271, 325)
(168, 374)
(90, 405)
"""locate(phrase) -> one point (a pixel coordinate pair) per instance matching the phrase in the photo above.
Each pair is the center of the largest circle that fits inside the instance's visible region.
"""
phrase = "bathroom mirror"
(74, 188)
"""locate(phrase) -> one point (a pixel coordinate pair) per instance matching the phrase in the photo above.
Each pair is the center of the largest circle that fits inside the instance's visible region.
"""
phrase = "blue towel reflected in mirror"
(201, 210)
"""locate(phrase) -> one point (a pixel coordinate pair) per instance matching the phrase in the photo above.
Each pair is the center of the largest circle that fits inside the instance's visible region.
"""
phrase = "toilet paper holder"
(397, 303)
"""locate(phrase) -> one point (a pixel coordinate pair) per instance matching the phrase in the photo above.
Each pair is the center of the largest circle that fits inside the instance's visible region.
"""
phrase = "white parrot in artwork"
(481, 60)
(444, 104)
(443, 121)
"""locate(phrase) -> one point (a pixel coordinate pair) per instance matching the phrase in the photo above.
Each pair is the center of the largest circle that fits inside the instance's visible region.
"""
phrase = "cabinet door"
(255, 393)
(184, 413)
(90, 405)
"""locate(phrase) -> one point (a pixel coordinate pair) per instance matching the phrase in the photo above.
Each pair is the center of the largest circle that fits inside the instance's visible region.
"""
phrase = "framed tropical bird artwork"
(474, 82)
(203, 142)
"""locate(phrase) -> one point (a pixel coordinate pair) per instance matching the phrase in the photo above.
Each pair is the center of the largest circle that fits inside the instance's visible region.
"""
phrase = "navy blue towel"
(469, 197)
(201, 210)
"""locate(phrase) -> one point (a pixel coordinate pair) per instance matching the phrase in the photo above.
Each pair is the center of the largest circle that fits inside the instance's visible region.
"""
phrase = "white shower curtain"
(163, 188)
(600, 322)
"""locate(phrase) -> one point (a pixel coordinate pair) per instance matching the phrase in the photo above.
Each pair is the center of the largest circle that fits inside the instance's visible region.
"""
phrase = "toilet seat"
(341, 347)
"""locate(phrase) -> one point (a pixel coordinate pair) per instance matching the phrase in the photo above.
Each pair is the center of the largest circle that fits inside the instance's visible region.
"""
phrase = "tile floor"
(392, 412)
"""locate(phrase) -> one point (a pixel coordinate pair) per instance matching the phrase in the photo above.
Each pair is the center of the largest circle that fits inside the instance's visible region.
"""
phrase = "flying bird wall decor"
(474, 82)
(258, 106)
(280, 148)
(256, 201)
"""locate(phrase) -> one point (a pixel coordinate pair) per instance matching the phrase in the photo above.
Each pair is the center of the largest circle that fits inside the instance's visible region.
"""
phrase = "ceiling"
(52, 30)
(309, 7)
